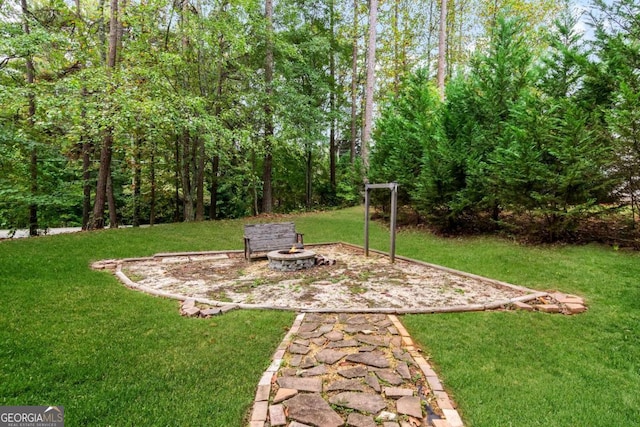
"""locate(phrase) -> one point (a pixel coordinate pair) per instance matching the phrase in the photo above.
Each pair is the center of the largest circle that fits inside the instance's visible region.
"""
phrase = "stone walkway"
(350, 369)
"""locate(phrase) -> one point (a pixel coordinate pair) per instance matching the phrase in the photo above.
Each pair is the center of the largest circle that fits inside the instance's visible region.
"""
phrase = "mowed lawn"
(112, 356)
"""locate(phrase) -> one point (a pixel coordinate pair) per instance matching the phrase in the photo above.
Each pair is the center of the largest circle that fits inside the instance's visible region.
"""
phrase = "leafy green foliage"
(407, 126)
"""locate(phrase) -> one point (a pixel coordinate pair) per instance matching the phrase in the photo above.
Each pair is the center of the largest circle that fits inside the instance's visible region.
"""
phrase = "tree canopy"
(156, 111)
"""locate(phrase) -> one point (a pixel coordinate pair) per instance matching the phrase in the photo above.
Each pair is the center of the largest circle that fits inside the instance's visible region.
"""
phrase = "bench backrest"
(270, 237)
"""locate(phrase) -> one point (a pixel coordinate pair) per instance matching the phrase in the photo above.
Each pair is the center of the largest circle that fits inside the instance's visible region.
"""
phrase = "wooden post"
(366, 220)
(394, 208)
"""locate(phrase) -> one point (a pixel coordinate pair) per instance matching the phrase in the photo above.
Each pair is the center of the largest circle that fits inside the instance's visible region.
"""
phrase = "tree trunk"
(215, 159)
(215, 168)
(111, 201)
(396, 47)
(137, 181)
(187, 196)
(200, 179)
(31, 99)
(86, 183)
(354, 84)
(370, 86)
(152, 196)
(442, 47)
(107, 142)
(332, 102)
(87, 149)
(176, 153)
(267, 196)
(33, 172)
(309, 186)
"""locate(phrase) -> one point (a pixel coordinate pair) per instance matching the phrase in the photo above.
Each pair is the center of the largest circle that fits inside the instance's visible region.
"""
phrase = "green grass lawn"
(112, 356)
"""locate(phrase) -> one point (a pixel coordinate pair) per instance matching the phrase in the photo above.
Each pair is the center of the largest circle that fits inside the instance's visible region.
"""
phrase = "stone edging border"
(531, 296)
(260, 407)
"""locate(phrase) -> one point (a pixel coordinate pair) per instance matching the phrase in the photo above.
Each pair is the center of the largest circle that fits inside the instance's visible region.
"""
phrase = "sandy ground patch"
(354, 282)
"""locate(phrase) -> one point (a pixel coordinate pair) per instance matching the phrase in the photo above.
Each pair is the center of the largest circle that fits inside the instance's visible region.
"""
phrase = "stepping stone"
(392, 330)
(334, 336)
(289, 372)
(284, 394)
(358, 371)
(320, 318)
(297, 424)
(345, 385)
(295, 360)
(403, 370)
(363, 402)
(308, 362)
(210, 312)
(373, 340)
(188, 303)
(276, 415)
(388, 376)
(352, 329)
(367, 348)
(342, 344)
(313, 385)
(325, 329)
(302, 342)
(309, 335)
(330, 356)
(191, 311)
(315, 318)
(372, 381)
(386, 416)
(299, 349)
(396, 341)
(403, 355)
(396, 392)
(308, 327)
(359, 420)
(357, 319)
(377, 318)
(313, 409)
(319, 341)
(313, 372)
(373, 358)
(409, 405)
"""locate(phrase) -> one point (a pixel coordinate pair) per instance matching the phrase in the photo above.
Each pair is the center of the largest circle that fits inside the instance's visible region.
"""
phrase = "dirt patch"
(354, 282)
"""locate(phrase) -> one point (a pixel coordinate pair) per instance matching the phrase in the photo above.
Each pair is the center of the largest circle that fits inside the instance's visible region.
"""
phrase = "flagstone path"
(350, 369)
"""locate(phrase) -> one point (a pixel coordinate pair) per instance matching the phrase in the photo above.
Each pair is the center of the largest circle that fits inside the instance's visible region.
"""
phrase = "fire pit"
(291, 260)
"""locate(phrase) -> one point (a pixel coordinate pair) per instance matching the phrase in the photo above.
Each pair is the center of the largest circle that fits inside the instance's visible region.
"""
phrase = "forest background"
(155, 111)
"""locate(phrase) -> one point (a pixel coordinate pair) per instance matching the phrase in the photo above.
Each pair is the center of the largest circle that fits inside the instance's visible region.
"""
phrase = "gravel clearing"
(355, 282)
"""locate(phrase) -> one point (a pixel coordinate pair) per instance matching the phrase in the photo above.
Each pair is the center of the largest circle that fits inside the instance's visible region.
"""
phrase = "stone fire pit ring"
(299, 259)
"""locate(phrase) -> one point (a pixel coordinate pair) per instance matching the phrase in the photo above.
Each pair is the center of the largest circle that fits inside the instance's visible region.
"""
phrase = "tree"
(104, 172)
(615, 85)
(267, 196)
(408, 125)
(33, 168)
(370, 83)
(442, 47)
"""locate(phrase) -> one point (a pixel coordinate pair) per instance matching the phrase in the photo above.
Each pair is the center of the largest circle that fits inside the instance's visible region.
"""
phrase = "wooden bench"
(270, 237)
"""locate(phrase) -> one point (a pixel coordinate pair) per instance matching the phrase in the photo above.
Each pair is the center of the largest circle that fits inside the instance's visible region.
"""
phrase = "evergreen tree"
(407, 125)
